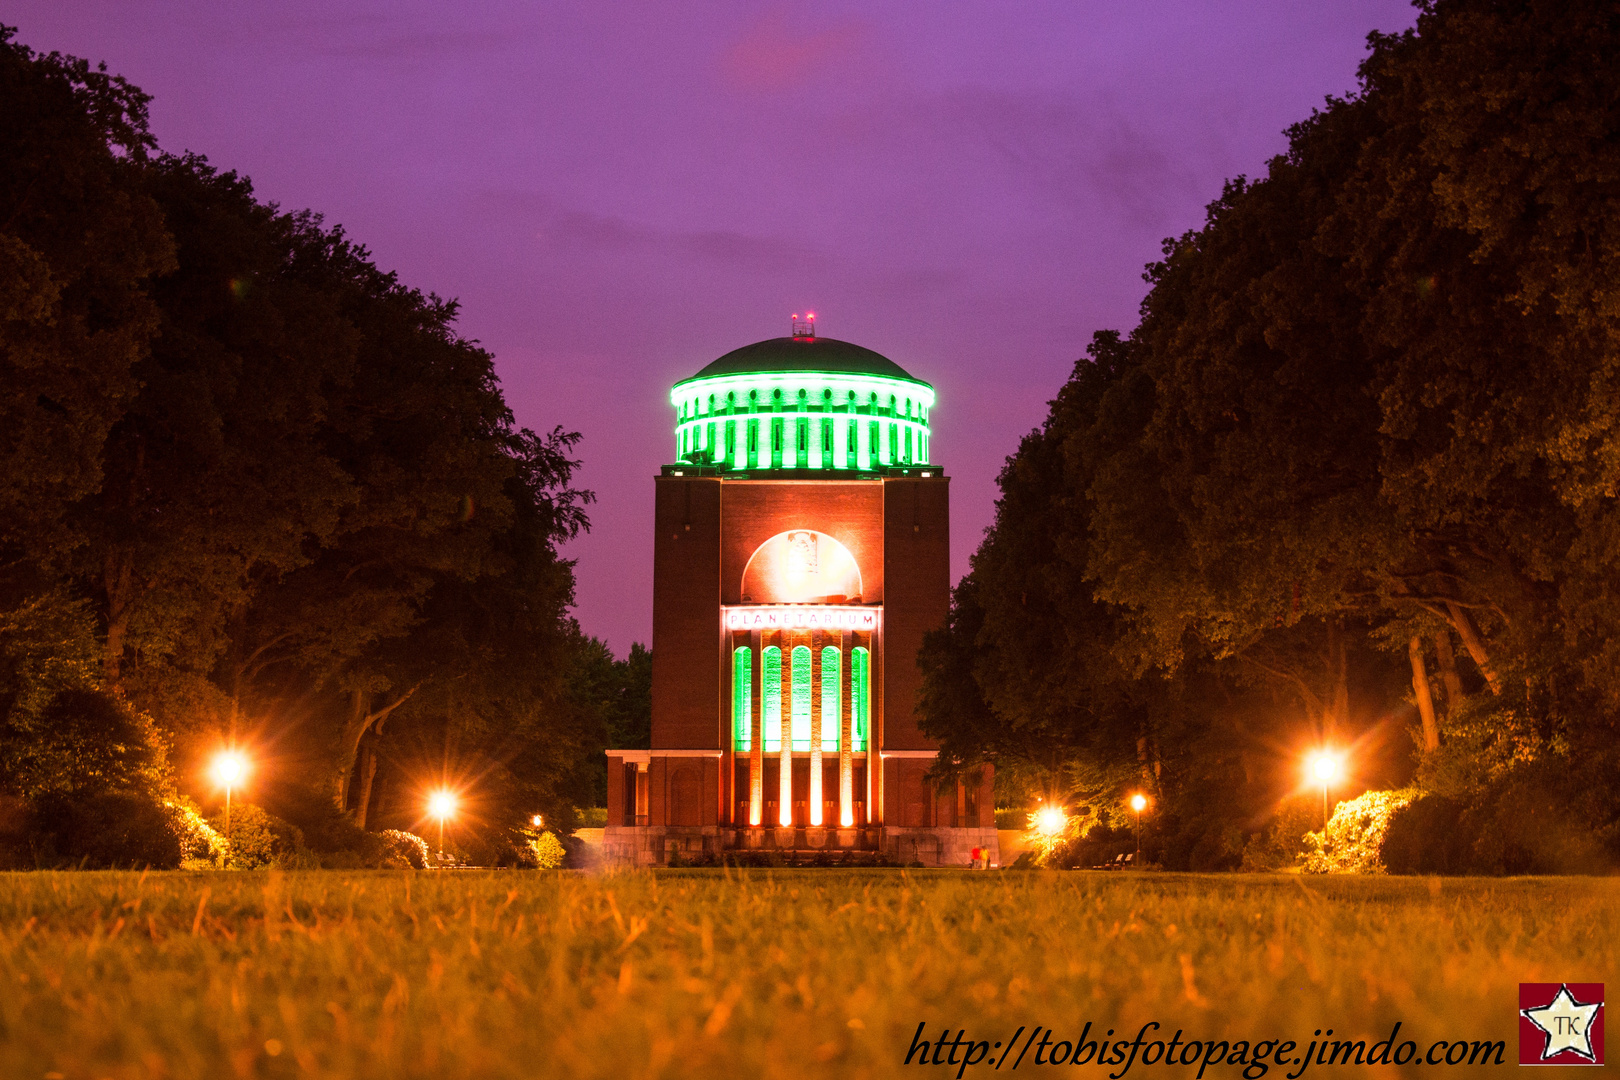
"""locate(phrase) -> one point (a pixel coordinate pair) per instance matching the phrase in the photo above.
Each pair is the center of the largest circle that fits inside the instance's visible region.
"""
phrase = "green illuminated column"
(742, 699)
(827, 737)
(801, 698)
(830, 704)
(770, 709)
(860, 670)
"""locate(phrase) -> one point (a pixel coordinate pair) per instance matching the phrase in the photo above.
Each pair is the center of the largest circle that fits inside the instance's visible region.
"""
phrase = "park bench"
(1119, 862)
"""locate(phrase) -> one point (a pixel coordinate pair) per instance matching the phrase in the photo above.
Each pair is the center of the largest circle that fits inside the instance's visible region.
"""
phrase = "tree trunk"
(1338, 664)
(368, 770)
(1475, 645)
(362, 718)
(1448, 671)
(354, 729)
(117, 577)
(1425, 702)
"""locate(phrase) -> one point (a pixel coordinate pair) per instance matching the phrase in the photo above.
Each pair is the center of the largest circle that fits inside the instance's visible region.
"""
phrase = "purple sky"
(618, 193)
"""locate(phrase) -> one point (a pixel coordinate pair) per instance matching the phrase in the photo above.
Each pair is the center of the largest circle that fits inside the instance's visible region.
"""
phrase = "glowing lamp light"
(229, 769)
(537, 821)
(1050, 820)
(1325, 767)
(441, 804)
(1138, 803)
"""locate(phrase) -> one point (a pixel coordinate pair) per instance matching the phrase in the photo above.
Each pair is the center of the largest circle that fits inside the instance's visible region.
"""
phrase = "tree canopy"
(1365, 426)
(256, 491)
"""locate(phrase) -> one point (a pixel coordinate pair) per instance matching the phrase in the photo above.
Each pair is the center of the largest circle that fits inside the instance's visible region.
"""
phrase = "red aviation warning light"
(805, 327)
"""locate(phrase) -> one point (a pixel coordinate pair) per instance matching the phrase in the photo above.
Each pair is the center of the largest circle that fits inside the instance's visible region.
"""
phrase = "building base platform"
(666, 845)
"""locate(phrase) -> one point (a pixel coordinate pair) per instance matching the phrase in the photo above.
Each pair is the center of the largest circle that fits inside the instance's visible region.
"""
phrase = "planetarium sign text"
(800, 617)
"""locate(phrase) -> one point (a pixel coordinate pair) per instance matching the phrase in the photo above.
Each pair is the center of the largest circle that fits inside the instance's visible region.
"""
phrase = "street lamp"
(1326, 767)
(230, 768)
(1138, 803)
(441, 804)
(1049, 821)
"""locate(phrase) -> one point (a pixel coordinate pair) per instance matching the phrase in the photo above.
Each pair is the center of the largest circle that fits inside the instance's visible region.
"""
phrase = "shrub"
(1428, 837)
(1353, 841)
(405, 847)
(109, 829)
(593, 818)
(549, 851)
(1012, 818)
(1282, 844)
(201, 847)
(258, 838)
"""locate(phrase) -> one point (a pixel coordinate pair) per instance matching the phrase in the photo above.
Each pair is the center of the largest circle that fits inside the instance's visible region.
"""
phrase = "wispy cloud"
(774, 56)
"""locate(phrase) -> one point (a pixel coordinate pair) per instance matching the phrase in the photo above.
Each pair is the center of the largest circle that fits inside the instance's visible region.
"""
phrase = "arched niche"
(801, 566)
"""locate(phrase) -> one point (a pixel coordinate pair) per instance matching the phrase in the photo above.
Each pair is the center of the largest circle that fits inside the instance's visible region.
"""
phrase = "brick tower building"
(802, 550)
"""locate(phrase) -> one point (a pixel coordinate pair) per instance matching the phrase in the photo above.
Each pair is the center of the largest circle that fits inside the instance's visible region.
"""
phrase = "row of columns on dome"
(834, 443)
(801, 696)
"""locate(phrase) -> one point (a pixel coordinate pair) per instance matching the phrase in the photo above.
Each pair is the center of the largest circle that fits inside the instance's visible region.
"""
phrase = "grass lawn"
(705, 973)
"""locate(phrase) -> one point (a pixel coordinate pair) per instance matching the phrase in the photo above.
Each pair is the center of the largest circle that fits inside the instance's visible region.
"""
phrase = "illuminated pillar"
(832, 712)
(817, 718)
(775, 718)
(742, 706)
(756, 749)
(784, 805)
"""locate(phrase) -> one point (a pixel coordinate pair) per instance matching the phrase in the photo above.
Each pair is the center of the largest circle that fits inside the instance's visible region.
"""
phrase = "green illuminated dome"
(802, 403)
(790, 354)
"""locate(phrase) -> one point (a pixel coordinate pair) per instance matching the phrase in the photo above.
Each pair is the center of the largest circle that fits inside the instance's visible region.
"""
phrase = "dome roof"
(792, 354)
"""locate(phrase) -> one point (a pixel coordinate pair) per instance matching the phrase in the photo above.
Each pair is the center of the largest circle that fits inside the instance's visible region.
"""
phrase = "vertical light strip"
(818, 724)
(784, 803)
(756, 761)
(830, 704)
(801, 698)
(860, 669)
(742, 699)
(770, 709)
(846, 760)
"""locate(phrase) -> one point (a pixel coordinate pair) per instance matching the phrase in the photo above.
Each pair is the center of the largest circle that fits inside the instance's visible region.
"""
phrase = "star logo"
(1561, 1023)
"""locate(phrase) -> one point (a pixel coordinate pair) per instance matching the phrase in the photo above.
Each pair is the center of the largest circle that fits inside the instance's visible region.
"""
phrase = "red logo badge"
(1560, 1023)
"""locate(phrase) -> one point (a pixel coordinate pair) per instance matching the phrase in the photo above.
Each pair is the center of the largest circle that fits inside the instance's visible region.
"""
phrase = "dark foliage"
(1352, 473)
(255, 490)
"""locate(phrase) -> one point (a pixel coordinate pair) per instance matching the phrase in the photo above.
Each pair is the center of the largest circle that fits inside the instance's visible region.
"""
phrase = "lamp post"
(1138, 803)
(1325, 767)
(441, 804)
(230, 769)
(1049, 823)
